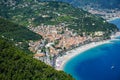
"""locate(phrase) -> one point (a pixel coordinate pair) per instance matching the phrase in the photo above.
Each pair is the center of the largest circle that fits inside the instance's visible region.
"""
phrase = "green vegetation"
(16, 65)
(105, 4)
(33, 13)
(16, 32)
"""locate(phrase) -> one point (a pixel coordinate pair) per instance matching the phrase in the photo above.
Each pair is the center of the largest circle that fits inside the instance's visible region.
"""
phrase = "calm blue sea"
(117, 22)
(99, 63)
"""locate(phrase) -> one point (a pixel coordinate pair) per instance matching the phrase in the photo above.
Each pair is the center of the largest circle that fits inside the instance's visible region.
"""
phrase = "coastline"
(113, 19)
(61, 61)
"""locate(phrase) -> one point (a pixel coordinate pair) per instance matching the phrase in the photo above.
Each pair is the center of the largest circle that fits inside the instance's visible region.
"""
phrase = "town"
(57, 39)
(105, 13)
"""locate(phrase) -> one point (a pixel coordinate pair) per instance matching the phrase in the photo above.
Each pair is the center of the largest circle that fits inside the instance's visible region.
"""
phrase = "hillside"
(35, 13)
(16, 65)
(98, 3)
(16, 32)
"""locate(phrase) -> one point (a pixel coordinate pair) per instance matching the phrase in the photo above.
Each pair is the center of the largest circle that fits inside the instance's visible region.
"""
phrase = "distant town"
(107, 14)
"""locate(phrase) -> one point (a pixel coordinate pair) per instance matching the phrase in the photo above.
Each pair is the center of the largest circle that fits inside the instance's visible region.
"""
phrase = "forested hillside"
(101, 3)
(34, 13)
(16, 65)
(16, 32)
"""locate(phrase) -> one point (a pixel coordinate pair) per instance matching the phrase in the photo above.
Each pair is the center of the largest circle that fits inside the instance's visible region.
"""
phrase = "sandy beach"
(60, 61)
(113, 19)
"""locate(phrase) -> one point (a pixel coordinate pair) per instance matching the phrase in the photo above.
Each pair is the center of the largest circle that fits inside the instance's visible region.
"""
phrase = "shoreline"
(61, 61)
(113, 19)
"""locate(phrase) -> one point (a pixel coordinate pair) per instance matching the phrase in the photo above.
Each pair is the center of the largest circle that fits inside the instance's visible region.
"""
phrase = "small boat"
(112, 67)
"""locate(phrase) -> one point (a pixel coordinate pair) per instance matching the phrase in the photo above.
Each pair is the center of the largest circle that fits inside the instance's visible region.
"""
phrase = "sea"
(99, 63)
(116, 22)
